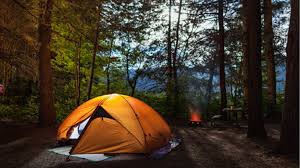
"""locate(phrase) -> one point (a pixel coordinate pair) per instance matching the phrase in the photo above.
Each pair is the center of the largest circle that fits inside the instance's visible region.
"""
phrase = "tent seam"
(126, 130)
(85, 114)
(137, 119)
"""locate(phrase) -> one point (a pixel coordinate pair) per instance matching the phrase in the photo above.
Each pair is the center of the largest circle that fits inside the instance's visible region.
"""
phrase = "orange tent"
(114, 124)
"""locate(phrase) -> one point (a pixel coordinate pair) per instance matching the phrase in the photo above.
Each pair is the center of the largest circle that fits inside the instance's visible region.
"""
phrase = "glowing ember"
(195, 115)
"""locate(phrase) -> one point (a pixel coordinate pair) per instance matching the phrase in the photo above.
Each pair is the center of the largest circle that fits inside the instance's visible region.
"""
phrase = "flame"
(194, 114)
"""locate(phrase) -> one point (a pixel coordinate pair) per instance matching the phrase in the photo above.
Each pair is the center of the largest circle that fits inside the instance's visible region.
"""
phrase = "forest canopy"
(101, 47)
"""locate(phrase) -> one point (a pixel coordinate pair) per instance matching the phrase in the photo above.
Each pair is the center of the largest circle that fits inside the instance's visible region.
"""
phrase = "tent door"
(77, 130)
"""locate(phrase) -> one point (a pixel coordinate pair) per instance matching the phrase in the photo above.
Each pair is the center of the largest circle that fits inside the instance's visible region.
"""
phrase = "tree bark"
(47, 115)
(245, 61)
(255, 118)
(108, 68)
(245, 84)
(175, 55)
(269, 55)
(77, 72)
(93, 60)
(133, 86)
(222, 60)
(169, 66)
(210, 85)
(289, 138)
(129, 81)
(127, 69)
(7, 75)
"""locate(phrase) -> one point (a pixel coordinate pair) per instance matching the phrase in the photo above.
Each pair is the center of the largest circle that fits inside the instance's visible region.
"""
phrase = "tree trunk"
(132, 91)
(222, 60)
(47, 114)
(210, 85)
(7, 76)
(245, 61)
(169, 66)
(175, 78)
(127, 69)
(133, 86)
(93, 61)
(269, 55)
(245, 84)
(131, 82)
(289, 138)
(255, 118)
(108, 67)
(77, 72)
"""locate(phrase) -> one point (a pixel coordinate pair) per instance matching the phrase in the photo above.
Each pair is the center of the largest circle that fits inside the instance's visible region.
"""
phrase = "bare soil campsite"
(25, 145)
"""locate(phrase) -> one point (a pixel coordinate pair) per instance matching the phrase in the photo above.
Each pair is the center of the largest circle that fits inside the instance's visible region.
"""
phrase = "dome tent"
(114, 124)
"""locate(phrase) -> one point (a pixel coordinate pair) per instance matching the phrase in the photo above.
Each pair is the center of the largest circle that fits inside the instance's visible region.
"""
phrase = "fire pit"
(194, 117)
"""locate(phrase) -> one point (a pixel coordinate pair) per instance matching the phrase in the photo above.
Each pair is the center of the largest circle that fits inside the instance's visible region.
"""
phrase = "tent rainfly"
(114, 123)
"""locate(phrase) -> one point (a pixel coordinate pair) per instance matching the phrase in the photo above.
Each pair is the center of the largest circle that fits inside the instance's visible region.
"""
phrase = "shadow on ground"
(26, 146)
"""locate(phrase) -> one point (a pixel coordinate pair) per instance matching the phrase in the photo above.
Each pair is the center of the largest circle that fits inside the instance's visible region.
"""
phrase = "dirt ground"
(25, 145)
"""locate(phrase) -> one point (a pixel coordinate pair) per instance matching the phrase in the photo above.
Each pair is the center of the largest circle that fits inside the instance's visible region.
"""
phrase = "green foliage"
(213, 108)
(156, 100)
(27, 113)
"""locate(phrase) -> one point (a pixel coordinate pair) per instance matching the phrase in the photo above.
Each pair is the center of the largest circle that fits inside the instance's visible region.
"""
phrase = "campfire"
(194, 115)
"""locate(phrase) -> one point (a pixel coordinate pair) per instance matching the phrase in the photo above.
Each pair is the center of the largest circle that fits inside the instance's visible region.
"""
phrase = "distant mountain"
(147, 84)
